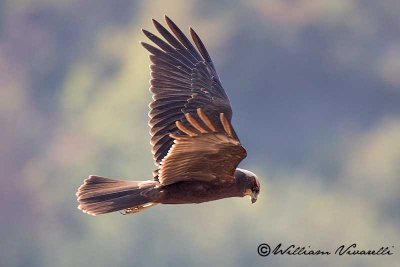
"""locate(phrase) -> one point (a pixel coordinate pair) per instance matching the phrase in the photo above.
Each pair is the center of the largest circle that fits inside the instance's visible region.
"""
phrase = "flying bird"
(195, 147)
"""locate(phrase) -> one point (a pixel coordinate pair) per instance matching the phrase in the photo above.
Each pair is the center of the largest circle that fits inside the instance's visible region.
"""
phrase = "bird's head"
(249, 183)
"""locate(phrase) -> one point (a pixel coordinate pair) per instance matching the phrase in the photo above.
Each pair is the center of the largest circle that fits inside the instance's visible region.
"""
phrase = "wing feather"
(183, 80)
(200, 46)
(201, 154)
(182, 38)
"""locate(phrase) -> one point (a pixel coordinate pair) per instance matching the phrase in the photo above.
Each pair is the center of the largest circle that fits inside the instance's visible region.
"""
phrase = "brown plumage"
(195, 147)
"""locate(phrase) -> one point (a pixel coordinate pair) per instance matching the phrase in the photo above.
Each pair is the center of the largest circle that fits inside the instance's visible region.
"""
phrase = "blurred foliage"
(315, 87)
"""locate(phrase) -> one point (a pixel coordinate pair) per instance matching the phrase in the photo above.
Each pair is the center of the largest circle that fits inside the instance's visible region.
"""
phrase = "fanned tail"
(99, 195)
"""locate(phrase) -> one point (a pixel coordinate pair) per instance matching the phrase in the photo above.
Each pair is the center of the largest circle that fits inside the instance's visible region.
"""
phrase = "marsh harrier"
(195, 147)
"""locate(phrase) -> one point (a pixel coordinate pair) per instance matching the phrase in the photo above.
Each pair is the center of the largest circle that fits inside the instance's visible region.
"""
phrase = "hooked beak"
(254, 196)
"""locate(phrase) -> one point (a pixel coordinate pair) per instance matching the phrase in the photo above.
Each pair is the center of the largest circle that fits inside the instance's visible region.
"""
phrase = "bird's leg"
(137, 209)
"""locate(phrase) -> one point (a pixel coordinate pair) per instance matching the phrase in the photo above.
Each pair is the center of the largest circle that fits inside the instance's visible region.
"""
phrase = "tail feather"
(99, 195)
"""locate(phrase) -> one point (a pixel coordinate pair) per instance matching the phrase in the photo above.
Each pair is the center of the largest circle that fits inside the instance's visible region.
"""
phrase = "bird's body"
(198, 192)
(195, 147)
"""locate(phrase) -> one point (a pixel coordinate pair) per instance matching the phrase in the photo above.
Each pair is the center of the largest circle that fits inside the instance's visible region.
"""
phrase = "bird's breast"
(197, 192)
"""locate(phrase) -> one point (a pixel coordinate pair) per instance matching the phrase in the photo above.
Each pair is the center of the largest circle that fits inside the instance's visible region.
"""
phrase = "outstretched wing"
(203, 152)
(183, 79)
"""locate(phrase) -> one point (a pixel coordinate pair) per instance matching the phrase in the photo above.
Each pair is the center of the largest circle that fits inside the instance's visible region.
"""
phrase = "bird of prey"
(195, 147)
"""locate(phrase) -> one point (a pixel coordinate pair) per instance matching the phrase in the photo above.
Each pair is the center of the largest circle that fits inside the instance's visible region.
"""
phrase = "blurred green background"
(315, 88)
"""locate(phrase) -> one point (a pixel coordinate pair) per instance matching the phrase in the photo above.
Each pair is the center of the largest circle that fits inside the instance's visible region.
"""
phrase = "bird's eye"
(255, 189)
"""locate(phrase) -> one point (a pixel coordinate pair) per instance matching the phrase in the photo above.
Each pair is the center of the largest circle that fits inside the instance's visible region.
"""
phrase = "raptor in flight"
(195, 147)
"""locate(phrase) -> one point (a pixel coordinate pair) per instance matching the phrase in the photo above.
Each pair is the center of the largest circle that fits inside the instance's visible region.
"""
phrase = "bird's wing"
(183, 79)
(204, 152)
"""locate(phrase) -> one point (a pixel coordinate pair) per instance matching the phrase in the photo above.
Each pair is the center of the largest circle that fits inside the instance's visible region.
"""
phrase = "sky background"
(315, 90)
